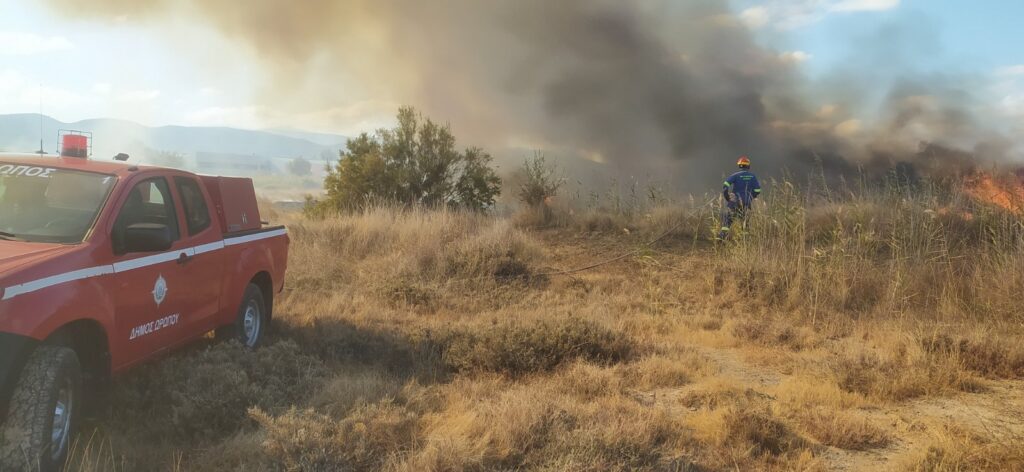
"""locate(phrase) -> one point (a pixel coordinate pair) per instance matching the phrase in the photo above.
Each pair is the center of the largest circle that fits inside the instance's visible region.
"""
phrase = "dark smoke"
(678, 89)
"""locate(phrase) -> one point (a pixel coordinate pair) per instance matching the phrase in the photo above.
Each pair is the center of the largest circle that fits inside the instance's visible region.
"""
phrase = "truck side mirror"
(147, 237)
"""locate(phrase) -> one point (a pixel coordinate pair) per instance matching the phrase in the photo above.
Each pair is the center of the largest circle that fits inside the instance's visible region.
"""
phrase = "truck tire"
(251, 323)
(43, 413)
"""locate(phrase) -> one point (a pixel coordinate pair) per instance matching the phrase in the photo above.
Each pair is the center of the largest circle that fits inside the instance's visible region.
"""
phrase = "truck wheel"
(251, 323)
(43, 412)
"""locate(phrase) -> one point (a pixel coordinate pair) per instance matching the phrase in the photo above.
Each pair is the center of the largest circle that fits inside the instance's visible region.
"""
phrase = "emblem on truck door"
(159, 290)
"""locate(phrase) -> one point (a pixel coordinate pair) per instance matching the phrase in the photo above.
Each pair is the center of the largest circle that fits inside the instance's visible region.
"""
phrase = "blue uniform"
(739, 190)
(744, 186)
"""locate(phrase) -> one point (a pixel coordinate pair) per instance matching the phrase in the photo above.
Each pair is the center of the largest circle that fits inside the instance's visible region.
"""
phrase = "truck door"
(205, 268)
(152, 288)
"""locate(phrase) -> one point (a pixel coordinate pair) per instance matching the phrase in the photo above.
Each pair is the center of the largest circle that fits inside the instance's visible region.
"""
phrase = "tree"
(539, 181)
(415, 163)
(300, 166)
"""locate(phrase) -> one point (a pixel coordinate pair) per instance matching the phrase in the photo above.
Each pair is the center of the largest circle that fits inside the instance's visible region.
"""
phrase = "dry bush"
(660, 371)
(674, 223)
(900, 376)
(747, 435)
(992, 357)
(796, 393)
(776, 333)
(204, 394)
(367, 439)
(518, 349)
(340, 342)
(537, 426)
(842, 429)
(351, 388)
(717, 394)
(759, 428)
(382, 244)
(952, 449)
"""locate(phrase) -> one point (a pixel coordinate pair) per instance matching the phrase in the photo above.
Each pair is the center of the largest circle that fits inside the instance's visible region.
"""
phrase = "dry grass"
(540, 347)
(950, 448)
(419, 339)
(842, 429)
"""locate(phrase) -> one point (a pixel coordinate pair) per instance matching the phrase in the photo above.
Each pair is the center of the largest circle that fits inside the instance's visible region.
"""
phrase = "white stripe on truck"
(15, 290)
(137, 263)
(255, 237)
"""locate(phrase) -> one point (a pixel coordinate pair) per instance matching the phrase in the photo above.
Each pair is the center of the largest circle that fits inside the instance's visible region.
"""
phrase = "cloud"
(1011, 71)
(793, 14)
(14, 43)
(795, 57)
(865, 5)
(755, 17)
(138, 95)
(19, 92)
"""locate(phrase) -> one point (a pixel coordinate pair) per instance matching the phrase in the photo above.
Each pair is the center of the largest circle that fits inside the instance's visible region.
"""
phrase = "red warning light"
(74, 144)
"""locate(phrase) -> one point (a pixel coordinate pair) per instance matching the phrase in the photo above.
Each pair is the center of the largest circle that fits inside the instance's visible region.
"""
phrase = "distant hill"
(21, 133)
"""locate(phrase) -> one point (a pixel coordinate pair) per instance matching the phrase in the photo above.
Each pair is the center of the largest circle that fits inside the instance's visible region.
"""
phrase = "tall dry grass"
(918, 251)
(420, 339)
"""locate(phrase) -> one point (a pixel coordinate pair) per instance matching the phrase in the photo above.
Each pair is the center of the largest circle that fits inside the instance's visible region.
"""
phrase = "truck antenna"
(41, 151)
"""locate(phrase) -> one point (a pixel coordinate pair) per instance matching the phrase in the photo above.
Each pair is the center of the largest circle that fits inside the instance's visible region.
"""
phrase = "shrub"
(757, 427)
(204, 394)
(516, 350)
(770, 334)
(341, 342)
(539, 181)
(991, 357)
(900, 377)
(415, 247)
(954, 449)
(300, 166)
(365, 440)
(843, 430)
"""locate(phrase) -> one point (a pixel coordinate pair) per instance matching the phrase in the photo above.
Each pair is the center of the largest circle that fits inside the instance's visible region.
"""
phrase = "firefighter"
(739, 190)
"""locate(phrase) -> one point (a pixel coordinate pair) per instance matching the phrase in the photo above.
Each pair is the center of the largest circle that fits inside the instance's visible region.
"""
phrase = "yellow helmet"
(743, 162)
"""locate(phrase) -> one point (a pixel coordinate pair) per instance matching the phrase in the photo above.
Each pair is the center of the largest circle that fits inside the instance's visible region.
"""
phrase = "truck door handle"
(184, 258)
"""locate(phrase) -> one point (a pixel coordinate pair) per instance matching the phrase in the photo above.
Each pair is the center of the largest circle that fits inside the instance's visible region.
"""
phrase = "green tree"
(413, 163)
(539, 181)
(300, 166)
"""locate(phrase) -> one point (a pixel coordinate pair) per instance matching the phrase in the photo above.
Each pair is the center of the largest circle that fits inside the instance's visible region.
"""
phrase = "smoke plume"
(673, 88)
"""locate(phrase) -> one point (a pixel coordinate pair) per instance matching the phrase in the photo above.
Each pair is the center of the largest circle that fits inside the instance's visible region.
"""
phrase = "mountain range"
(22, 133)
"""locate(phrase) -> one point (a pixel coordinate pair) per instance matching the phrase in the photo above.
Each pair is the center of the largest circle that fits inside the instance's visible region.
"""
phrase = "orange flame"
(1006, 193)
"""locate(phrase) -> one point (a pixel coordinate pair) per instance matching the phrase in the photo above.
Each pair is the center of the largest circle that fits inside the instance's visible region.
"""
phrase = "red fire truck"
(106, 264)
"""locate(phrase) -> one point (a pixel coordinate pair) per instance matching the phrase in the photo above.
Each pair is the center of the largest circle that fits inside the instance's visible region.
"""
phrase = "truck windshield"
(47, 204)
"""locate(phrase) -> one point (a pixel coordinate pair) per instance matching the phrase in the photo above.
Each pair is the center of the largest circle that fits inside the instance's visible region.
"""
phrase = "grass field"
(862, 331)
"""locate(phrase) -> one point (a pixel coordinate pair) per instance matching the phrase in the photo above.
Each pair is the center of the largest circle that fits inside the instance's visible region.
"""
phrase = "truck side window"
(197, 214)
(148, 202)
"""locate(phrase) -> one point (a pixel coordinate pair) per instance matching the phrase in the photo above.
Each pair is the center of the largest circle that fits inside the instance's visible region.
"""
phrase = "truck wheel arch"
(89, 340)
(266, 285)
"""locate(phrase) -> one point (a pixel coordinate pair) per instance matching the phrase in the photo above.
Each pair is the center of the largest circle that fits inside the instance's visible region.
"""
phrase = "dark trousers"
(734, 211)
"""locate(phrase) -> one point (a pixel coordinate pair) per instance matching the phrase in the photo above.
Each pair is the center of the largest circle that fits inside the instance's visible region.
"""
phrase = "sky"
(182, 73)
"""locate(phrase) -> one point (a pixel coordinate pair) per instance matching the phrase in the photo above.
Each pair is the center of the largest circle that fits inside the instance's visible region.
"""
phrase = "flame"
(1006, 193)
